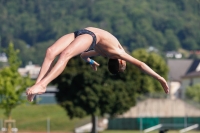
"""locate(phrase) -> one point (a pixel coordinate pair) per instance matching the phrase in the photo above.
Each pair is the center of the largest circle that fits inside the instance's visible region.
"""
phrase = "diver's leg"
(52, 52)
(80, 44)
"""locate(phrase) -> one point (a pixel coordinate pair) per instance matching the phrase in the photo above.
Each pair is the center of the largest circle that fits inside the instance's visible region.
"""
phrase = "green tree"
(172, 41)
(84, 92)
(145, 83)
(190, 44)
(166, 25)
(12, 84)
(193, 92)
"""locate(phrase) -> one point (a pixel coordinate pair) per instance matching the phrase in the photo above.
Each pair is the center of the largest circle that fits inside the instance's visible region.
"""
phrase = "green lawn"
(34, 118)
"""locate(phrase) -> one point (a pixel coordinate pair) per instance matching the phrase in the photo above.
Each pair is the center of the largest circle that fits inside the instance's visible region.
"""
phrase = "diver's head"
(116, 66)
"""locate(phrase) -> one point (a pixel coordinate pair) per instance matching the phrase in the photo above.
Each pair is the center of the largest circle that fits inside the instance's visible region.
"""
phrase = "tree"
(193, 92)
(166, 25)
(172, 41)
(84, 92)
(12, 84)
(190, 44)
(147, 84)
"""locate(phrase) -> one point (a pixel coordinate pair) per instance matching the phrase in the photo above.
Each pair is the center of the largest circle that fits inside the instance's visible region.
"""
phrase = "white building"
(182, 73)
(3, 57)
(177, 69)
(192, 77)
(174, 54)
(30, 69)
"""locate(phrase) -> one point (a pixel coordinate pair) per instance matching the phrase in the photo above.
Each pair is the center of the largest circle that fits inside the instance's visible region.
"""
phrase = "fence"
(173, 123)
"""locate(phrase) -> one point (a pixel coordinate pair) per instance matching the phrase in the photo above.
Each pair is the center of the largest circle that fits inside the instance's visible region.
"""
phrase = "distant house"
(192, 76)
(182, 73)
(3, 57)
(161, 108)
(30, 69)
(173, 54)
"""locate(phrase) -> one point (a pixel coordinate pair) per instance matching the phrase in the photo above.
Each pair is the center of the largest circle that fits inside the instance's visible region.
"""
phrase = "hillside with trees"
(169, 25)
(165, 25)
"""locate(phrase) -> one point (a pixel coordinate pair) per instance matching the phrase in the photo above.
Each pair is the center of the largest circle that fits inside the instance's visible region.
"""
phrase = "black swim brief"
(84, 31)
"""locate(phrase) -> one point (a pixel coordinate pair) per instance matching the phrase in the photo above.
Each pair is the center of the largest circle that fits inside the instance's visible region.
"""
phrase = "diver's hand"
(164, 84)
(94, 65)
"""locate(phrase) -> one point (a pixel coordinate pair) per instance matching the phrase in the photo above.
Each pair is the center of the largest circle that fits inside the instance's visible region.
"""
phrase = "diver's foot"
(36, 89)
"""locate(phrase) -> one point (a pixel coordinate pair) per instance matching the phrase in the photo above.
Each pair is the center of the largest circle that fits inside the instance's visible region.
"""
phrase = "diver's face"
(122, 65)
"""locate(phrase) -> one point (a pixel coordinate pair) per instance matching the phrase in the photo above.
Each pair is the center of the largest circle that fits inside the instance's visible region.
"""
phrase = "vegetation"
(146, 84)
(34, 118)
(12, 84)
(193, 93)
(34, 25)
(84, 92)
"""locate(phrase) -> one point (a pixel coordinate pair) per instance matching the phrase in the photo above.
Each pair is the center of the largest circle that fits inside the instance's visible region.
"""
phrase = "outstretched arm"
(146, 69)
(86, 56)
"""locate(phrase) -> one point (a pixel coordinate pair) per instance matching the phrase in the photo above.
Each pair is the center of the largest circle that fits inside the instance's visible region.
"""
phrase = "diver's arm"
(86, 55)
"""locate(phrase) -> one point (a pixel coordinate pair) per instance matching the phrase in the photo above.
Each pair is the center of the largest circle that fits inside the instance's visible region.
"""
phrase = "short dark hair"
(113, 66)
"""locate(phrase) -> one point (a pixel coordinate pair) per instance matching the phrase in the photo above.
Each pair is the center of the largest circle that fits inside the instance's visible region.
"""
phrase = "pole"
(1, 120)
(96, 124)
(48, 125)
(141, 127)
(185, 118)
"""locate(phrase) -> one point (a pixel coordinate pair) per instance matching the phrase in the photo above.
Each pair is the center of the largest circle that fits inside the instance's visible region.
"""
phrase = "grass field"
(34, 118)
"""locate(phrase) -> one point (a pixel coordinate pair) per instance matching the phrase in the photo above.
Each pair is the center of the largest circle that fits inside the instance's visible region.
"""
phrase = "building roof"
(178, 68)
(194, 70)
(162, 108)
(192, 74)
(193, 66)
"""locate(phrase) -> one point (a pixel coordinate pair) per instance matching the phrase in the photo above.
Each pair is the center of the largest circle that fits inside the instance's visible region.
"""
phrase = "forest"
(34, 25)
